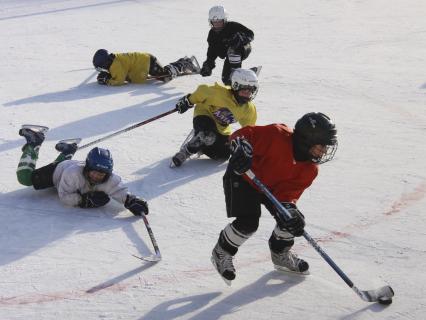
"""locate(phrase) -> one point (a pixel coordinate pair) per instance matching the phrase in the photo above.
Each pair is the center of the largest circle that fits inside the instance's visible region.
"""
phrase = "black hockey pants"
(219, 150)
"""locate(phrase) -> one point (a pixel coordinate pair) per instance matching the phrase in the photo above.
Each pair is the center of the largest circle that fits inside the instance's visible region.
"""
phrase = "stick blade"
(383, 293)
(154, 258)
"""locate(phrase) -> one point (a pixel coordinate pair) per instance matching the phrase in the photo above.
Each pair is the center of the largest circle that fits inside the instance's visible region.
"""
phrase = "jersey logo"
(224, 116)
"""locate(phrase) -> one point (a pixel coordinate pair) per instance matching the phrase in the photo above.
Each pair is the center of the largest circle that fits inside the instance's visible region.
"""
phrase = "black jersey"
(219, 41)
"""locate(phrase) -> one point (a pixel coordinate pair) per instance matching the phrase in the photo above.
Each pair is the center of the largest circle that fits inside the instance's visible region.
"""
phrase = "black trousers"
(219, 150)
(244, 202)
(156, 69)
(42, 178)
(228, 67)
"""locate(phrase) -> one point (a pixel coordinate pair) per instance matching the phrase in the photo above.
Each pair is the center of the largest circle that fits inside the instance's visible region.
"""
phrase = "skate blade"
(228, 282)
(256, 70)
(196, 64)
(70, 141)
(35, 127)
(288, 271)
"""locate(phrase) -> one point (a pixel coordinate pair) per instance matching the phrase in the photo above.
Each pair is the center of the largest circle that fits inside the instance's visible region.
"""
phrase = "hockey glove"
(238, 40)
(103, 77)
(206, 70)
(296, 224)
(93, 199)
(184, 104)
(241, 155)
(136, 205)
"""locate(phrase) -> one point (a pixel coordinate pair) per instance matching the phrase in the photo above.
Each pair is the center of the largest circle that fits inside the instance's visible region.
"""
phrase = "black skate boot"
(68, 147)
(222, 261)
(183, 66)
(192, 145)
(288, 261)
(34, 135)
(180, 157)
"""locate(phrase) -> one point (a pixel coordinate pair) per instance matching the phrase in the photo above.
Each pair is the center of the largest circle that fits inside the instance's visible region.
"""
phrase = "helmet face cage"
(328, 154)
(242, 79)
(218, 13)
(316, 128)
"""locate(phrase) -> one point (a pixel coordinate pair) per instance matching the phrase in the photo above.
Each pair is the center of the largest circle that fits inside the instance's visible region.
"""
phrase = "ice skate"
(195, 66)
(68, 147)
(191, 146)
(222, 261)
(183, 66)
(180, 157)
(256, 70)
(34, 134)
(287, 261)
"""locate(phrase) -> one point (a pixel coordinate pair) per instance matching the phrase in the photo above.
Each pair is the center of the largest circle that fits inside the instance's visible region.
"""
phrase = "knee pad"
(204, 123)
(234, 58)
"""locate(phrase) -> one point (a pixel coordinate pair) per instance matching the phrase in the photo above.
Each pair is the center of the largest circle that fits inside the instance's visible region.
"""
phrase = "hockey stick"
(382, 295)
(157, 256)
(127, 129)
(166, 75)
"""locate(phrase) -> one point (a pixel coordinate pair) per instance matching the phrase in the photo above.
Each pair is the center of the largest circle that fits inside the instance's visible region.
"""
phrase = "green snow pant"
(27, 173)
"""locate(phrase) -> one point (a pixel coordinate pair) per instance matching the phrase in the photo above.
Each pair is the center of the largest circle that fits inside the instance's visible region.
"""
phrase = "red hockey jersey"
(274, 163)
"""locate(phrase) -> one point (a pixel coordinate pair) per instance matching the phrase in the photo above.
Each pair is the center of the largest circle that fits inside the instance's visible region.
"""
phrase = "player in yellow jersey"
(216, 108)
(116, 69)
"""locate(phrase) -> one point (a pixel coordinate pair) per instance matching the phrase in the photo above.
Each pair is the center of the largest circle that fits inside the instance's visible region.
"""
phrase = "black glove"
(93, 199)
(238, 40)
(184, 104)
(296, 223)
(136, 205)
(206, 70)
(103, 77)
(241, 155)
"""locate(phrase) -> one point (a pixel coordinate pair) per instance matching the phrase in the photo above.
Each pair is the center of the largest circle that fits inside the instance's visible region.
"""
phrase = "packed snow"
(361, 62)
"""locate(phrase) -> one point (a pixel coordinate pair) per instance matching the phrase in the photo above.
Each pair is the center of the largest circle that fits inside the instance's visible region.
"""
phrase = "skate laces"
(225, 259)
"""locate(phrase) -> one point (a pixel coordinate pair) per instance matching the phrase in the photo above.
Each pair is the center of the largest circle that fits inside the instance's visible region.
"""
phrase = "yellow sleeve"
(118, 74)
(250, 116)
(118, 70)
(199, 95)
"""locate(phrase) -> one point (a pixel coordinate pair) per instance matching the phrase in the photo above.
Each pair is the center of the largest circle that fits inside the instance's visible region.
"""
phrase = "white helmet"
(244, 79)
(218, 13)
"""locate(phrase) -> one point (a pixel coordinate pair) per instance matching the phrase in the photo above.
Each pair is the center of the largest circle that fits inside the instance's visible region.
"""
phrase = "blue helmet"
(100, 160)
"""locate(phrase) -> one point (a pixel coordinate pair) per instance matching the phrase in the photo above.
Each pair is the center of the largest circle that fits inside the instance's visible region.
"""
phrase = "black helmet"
(100, 160)
(102, 60)
(314, 128)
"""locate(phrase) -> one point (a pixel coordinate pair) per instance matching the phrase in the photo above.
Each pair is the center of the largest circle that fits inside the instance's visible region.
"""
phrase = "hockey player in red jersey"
(286, 161)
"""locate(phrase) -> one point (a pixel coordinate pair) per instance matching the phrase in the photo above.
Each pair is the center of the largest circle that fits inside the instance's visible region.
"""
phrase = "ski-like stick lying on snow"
(157, 256)
(127, 129)
(382, 295)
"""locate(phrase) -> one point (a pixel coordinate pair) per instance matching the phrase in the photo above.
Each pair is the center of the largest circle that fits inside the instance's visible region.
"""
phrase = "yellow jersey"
(218, 102)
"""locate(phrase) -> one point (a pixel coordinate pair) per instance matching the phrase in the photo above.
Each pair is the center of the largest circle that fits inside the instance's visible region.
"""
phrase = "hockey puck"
(385, 301)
